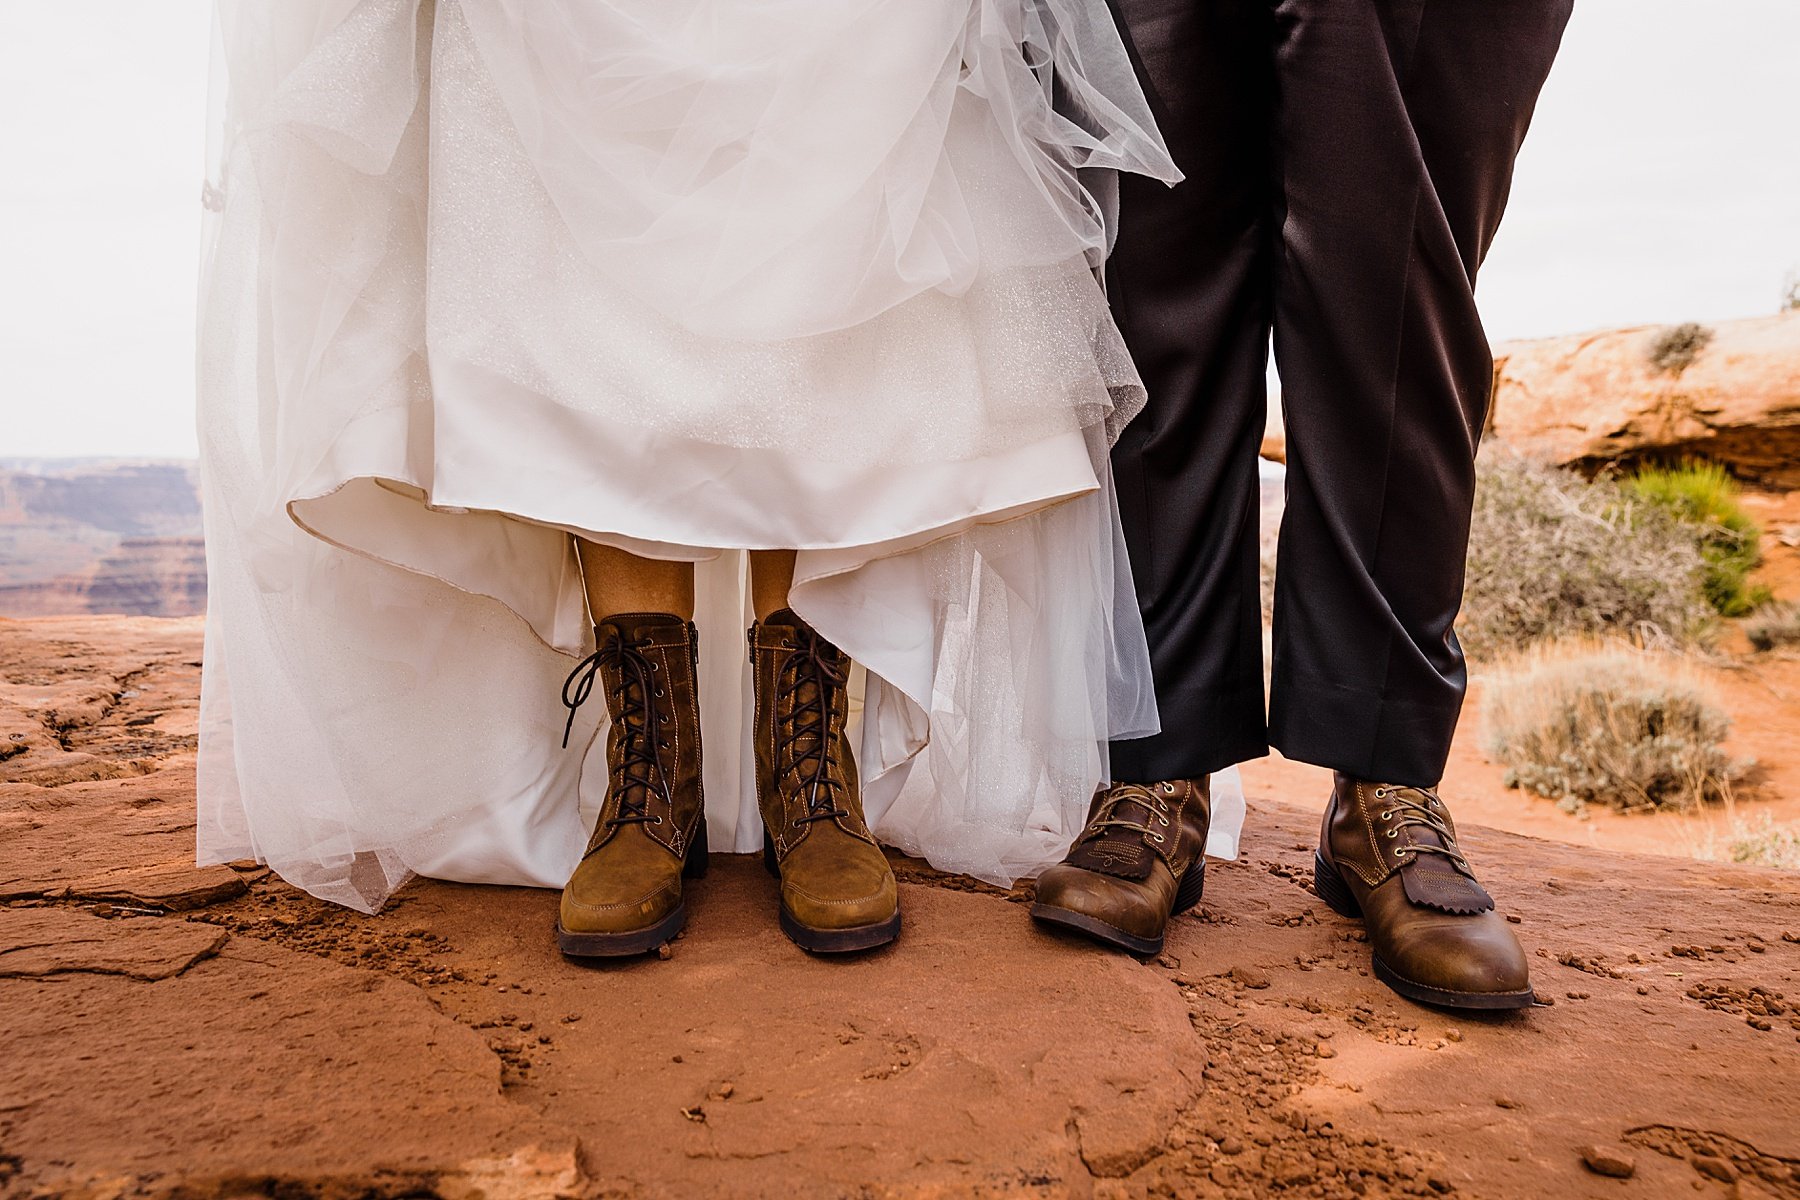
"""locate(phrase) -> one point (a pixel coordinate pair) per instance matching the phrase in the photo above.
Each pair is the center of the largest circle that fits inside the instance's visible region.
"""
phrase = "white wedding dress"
(689, 277)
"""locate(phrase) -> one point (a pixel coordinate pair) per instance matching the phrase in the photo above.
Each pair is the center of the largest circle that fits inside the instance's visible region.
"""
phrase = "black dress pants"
(1347, 164)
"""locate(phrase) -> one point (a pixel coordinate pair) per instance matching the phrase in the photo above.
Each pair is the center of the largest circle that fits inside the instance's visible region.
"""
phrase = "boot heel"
(1193, 883)
(1330, 888)
(770, 862)
(698, 859)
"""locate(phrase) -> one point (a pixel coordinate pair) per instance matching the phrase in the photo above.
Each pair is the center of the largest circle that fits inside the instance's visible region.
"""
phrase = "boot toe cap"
(1114, 902)
(850, 900)
(1472, 958)
(613, 904)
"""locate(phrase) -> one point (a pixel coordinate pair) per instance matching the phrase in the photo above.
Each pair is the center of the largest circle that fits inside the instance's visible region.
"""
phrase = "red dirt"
(192, 1033)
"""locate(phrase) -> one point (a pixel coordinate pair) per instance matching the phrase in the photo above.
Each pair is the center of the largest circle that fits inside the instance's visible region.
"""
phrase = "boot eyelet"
(1165, 821)
(656, 820)
(1168, 789)
(1157, 838)
(1393, 833)
(655, 667)
(1381, 793)
(1386, 813)
(659, 693)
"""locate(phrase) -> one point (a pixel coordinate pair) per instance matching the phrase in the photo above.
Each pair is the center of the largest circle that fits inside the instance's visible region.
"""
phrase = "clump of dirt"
(286, 916)
(1249, 1135)
(1762, 1008)
(916, 870)
(1721, 1158)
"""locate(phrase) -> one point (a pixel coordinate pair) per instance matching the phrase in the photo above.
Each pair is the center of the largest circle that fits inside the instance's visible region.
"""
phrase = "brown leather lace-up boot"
(625, 897)
(837, 890)
(1140, 860)
(1388, 854)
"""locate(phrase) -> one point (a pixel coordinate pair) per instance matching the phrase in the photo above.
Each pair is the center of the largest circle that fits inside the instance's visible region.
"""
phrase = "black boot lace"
(1421, 808)
(636, 720)
(811, 679)
(1152, 799)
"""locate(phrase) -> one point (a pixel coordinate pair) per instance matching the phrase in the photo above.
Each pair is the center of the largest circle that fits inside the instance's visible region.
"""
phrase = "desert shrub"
(1763, 843)
(1673, 350)
(1590, 725)
(1704, 498)
(1790, 291)
(1774, 627)
(1553, 555)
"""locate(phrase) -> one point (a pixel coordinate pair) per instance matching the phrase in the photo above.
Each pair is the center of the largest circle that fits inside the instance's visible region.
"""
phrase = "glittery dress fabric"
(690, 278)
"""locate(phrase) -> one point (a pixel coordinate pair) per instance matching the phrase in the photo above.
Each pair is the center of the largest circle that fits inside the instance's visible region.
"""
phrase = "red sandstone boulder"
(1594, 398)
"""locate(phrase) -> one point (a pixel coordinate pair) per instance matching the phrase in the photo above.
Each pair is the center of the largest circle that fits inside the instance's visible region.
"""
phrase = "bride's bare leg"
(627, 894)
(837, 891)
(621, 582)
(771, 578)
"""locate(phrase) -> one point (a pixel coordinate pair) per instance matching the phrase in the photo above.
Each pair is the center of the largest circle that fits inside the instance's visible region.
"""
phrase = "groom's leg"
(1397, 124)
(1191, 281)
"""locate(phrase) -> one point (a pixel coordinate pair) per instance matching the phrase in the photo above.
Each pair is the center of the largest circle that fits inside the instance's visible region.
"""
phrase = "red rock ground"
(201, 1033)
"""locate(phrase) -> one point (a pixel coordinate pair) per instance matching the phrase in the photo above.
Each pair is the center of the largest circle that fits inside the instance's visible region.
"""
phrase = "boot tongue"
(636, 626)
(787, 618)
(1119, 852)
(1434, 880)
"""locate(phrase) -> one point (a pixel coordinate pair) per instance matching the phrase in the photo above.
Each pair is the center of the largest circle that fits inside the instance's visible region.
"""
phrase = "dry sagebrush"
(1594, 725)
(1774, 627)
(1552, 555)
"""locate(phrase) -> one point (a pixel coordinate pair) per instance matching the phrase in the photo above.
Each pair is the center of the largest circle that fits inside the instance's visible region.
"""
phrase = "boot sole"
(620, 945)
(1330, 887)
(1187, 894)
(828, 941)
(639, 941)
(839, 941)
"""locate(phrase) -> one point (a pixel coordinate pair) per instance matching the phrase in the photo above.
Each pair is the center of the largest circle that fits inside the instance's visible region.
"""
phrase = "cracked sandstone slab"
(978, 1058)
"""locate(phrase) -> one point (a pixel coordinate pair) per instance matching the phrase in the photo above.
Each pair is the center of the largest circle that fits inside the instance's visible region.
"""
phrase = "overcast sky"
(1661, 183)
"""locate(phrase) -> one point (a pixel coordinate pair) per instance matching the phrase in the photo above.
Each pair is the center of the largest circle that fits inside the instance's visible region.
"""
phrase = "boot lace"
(1153, 800)
(640, 775)
(814, 667)
(1421, 808)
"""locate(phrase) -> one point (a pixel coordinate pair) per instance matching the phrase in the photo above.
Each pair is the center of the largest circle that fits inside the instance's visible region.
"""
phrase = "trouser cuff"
(1361, 732)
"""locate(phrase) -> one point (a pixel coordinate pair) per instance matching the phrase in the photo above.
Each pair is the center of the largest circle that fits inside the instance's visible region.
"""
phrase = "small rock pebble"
(1714, 1167)
(1250, 977)
(1610, 1163)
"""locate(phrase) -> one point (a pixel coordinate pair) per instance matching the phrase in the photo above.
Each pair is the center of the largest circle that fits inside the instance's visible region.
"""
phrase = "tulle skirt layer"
(689, 278)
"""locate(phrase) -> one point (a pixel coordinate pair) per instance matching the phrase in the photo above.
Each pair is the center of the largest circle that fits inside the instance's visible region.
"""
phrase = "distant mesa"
(100, 536)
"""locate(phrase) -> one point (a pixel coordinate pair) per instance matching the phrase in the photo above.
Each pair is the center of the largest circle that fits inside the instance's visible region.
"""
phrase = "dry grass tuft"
(1762, 842)
(1774, 627)
(1591, 724)
(1552, 555)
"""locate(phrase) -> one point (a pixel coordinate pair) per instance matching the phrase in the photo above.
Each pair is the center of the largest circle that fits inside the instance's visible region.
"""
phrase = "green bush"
(1553, 555)
(1704, 498)
(1614, 727)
